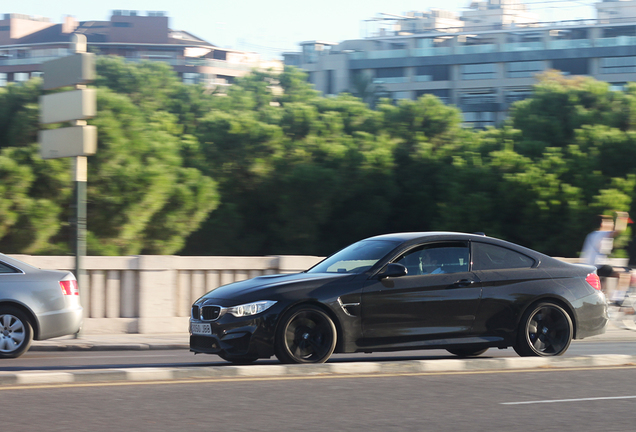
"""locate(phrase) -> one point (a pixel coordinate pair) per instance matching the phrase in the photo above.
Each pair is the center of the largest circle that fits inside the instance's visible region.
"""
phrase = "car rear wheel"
(16, 332)
(467, 352)
(238, 359)
(306, 334)
(545, 330)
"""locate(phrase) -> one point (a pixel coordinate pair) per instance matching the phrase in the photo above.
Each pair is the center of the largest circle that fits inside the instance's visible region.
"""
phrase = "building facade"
(26, 42)
(482, 66)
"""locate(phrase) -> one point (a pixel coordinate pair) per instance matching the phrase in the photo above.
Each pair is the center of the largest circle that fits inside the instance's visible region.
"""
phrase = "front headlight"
(249, 309)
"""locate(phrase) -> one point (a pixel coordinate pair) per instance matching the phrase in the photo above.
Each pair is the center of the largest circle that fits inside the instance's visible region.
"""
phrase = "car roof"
(408, 238)
(426, 235)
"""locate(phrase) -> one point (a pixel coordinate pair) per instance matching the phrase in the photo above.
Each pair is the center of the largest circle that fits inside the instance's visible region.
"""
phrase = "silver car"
(35, 304)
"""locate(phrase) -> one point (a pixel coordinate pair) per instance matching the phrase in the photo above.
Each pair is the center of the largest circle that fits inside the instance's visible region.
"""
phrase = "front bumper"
(236, 336)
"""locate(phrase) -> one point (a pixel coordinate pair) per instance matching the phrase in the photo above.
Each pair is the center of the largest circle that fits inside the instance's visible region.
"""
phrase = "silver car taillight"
(69, 285)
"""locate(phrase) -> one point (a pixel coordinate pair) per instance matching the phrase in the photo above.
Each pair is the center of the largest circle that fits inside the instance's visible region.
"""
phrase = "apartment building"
(27, 41)
(484, 63)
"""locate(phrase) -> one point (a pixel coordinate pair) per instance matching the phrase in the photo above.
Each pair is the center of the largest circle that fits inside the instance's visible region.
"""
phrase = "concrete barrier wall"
(153, 293)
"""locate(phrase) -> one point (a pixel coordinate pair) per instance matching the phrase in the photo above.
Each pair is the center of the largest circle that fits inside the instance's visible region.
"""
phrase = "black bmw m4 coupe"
(461, 292)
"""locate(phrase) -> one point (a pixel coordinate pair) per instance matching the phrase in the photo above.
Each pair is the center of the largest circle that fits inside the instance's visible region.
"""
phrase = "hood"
(272, 284)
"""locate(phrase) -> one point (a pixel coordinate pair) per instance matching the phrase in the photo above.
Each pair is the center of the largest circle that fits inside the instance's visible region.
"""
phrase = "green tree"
(143, 196)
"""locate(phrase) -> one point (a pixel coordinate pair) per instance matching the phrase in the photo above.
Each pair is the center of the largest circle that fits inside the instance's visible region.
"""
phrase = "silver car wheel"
(13, 333)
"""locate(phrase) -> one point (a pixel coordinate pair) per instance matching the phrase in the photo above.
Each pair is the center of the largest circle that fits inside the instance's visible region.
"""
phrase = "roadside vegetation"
(272, 167)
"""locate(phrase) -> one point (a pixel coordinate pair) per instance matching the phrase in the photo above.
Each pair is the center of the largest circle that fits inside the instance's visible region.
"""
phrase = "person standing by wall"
(599, 244)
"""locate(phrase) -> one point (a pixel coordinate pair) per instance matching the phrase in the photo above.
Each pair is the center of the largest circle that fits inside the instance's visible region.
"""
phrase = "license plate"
(201, 329)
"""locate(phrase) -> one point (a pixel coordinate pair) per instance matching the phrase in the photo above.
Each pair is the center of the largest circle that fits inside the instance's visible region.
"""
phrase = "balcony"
(522, 46)
(615, 41)
(570, 43)
(26, 61)
(391, 80)
(433, 51)
(476, 49)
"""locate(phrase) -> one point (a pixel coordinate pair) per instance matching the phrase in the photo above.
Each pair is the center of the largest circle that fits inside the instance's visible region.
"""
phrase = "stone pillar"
(157, 295)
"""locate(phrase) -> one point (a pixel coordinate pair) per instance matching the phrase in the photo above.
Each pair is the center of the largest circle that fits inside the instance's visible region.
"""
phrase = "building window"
(525, 69)
(479, 119)
(442, 94)
(610, 32)
(309, 54)
(432, 73)
(3, 79)
(219, 55)
(122, 24)
(517, 95)
(330, 82)
(401, 95)
(228, 79)
(390, 75)
(611, 65)
(478, 97)
(479, 71)
(389, 72)
(292, 59)
(617, 86)
(20, 76)
(190, 78)
(571, 66)
(49, 52)
(151, 54)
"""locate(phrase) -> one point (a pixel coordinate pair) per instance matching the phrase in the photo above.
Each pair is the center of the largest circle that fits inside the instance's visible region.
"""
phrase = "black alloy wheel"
(467, 352)
(545, 330)
(16, 332)
(306, 334)
(238, 359)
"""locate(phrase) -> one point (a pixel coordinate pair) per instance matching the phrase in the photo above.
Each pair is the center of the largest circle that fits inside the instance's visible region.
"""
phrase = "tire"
(467, 352)
(16, 332)
(545, 330)
(238, 359)
(305, 334)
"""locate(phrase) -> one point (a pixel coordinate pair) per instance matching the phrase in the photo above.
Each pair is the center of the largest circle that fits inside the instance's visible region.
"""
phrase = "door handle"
(463, 283)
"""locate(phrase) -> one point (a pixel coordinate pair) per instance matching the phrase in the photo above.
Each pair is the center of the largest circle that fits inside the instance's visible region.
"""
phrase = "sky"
(274, 26)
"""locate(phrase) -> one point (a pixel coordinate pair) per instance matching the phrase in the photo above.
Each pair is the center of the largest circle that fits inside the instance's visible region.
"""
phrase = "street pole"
(80, 178)
(78, 140)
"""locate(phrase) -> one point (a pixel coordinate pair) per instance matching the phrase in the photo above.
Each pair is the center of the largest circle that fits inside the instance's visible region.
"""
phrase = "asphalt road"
(64, 360)
(598, 399)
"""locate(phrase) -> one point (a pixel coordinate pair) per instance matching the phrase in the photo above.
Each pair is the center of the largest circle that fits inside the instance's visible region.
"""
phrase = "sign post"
(78, 140)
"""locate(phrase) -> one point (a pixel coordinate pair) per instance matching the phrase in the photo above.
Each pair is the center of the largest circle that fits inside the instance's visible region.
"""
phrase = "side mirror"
(393, 270)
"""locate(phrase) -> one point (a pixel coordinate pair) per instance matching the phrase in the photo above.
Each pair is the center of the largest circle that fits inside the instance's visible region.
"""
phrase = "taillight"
(69, 287)
(594, 281)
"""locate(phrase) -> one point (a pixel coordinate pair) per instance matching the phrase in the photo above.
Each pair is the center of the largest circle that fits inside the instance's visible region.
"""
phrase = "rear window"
(5, 268)
(491, 257)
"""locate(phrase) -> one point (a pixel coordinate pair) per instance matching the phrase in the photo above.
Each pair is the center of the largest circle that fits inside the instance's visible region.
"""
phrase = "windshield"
(357, 258)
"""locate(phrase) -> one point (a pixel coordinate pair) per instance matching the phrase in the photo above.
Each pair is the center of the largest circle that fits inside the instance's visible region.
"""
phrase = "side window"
(4, 268)
(491, 257)
(436, 258)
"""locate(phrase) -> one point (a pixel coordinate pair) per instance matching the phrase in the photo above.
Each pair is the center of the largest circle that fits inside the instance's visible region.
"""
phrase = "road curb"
(108, 347)
(327, 369)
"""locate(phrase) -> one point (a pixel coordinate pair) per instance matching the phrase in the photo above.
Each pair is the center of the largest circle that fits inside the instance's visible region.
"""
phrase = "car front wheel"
(306, 334)
(16, 332)
(545, 330)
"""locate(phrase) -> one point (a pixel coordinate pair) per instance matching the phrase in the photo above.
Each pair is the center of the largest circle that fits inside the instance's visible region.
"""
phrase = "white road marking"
(568, 400)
